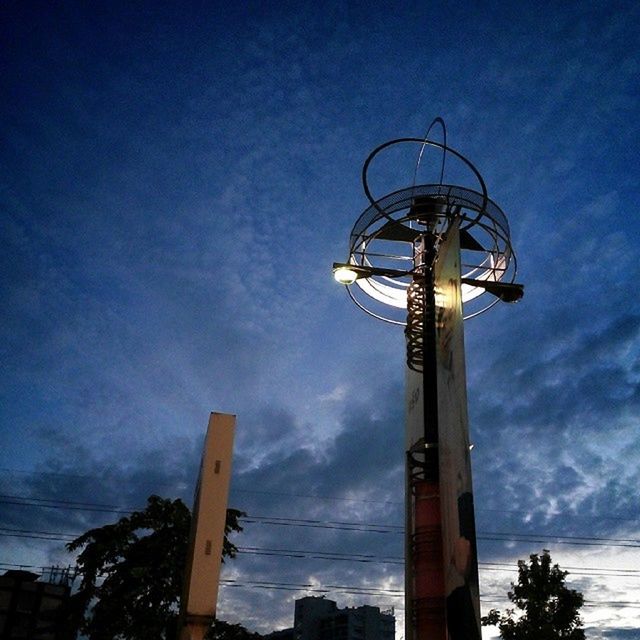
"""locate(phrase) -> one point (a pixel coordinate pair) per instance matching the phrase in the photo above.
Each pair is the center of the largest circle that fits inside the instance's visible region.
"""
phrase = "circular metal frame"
(423, 142)
(382, 238)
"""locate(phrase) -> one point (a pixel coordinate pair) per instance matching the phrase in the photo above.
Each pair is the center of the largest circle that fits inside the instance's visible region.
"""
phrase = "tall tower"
(206, 538)
(425, 257)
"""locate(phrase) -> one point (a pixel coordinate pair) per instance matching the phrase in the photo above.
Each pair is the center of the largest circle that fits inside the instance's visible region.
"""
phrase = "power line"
(53, 533)
(353, 526)
(569, 568)
(543, 539)
(587, 603)
(60, 501)
(342, 499)
(325, 524)
(497, 533)
(354, 589)
(61, 504)
(489, 535)
(314, 497)
(351, 588)
(50, 473)
(388, 593)
(334, 555)
(484, 566)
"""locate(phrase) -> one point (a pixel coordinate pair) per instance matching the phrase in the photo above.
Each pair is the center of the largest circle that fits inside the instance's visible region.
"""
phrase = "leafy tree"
(549, 610)
(132, 572)
(222, 630)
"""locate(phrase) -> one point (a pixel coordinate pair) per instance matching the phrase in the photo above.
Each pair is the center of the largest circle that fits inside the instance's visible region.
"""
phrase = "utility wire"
(337, 498)
(379, 528)
(388, 593)
(357, 526)
(510, 537)
(62, 504)
(353, 589)
(356, 590)
(334, 555)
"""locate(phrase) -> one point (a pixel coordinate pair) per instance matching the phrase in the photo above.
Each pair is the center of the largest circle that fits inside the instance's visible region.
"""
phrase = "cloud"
(623, 633)
(356, 479)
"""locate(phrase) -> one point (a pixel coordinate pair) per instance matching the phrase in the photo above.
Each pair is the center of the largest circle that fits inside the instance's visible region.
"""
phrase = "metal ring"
(444, 147)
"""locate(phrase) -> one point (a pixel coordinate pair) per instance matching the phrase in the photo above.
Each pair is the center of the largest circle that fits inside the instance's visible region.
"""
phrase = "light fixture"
(344, 274)
(347, 272)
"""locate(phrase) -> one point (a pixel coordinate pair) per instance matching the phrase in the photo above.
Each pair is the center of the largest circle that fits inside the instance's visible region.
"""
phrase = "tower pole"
(426, 229)
(206, 539)
(425, 608)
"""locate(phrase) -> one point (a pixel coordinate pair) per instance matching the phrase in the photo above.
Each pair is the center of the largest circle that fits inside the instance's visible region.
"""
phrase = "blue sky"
(176, 180)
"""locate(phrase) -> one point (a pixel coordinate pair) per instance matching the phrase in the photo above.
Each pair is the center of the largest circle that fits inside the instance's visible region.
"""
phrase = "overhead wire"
(350, 589)
(337, 555)
(565, 513)
(340, 525)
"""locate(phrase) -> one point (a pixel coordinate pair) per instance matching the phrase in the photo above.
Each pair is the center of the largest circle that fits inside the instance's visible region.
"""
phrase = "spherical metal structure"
(384, 256)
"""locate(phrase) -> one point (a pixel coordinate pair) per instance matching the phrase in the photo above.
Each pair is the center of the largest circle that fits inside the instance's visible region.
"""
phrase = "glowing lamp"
(344, 275)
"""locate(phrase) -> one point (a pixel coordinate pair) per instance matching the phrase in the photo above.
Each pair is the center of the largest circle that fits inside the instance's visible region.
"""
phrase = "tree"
(132, 571)
(222, 630)
(550, 610)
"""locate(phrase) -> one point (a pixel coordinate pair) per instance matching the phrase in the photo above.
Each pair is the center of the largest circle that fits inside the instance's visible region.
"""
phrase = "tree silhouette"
(132, 571)
(548, 609)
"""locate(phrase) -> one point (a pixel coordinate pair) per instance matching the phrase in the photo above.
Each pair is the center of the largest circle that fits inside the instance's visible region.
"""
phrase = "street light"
(347, 273)
(344, 274)
(424, 257)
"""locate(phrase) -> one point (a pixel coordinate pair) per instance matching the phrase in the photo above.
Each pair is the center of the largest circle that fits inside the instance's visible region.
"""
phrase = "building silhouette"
(321, 619)
(30, 608)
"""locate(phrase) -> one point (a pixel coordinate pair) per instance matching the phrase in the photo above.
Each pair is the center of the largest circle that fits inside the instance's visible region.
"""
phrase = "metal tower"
(425, 256)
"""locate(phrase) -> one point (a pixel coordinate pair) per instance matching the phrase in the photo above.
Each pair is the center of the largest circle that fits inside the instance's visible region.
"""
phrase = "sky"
(177, 179)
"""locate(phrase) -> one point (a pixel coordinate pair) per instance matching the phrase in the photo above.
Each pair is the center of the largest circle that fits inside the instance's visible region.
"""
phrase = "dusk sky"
(176, 180)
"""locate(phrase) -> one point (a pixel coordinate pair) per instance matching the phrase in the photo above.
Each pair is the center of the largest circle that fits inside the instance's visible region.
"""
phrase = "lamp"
(347, 273)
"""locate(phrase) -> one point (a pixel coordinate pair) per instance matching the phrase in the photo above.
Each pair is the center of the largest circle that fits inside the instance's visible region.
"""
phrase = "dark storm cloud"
(362, 458)
(267, 434)
(615, 634)
(570, 370)
(355, 478)
(78, 492)
(575, 383)
(543, 464)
